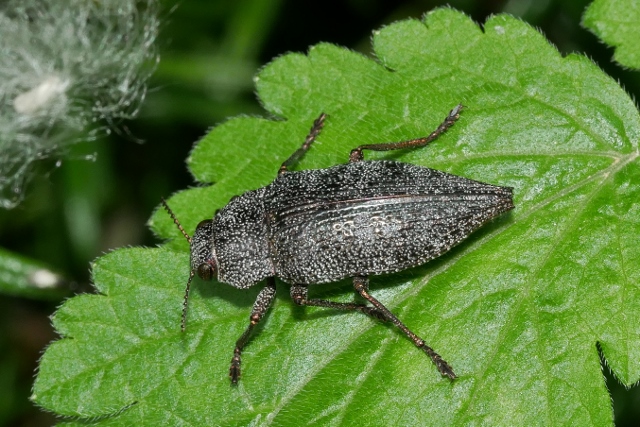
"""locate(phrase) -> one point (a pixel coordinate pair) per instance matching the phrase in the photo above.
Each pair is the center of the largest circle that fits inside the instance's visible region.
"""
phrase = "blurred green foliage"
(78, 209)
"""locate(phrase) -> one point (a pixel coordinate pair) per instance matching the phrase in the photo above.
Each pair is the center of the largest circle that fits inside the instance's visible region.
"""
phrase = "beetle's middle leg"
(299, 295)
(297, 155)
(361, 285)
(356, 154)
(260, 307)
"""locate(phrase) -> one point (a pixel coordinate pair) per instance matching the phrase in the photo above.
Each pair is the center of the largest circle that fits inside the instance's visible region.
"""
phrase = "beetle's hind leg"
(361, 285)
(299, 295)
(299, 153)
(260, 307)
(356, 154)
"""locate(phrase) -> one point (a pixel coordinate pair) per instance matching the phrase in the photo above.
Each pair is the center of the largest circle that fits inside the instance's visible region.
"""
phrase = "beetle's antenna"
(185, 303)
(175, 220)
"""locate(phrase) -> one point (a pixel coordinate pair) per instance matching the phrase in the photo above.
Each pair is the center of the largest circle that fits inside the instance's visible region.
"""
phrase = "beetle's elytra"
(351, 220)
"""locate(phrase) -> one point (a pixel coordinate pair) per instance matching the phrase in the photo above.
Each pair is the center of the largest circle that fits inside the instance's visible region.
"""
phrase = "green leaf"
(616, 23)
(520, 309)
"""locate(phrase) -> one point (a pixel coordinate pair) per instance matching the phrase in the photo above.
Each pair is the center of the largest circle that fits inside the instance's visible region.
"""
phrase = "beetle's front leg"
(299, 295)
(260, 308)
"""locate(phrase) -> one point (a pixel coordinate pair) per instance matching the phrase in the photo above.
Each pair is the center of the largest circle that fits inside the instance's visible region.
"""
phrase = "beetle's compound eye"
(205, 271)
(203, 223)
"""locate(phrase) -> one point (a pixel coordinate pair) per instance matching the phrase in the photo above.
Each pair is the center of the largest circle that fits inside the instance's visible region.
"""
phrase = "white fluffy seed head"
(67, 68)
(39, 97)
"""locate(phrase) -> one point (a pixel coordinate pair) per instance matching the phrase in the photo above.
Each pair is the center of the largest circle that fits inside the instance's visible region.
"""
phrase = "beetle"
(353, 220)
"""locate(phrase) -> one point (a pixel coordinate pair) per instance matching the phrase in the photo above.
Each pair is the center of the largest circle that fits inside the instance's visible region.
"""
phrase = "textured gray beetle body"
(357, 219)
(351, 220)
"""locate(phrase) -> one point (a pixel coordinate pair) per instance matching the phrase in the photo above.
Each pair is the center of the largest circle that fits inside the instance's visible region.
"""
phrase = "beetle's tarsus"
(441, 364)
(234, 369)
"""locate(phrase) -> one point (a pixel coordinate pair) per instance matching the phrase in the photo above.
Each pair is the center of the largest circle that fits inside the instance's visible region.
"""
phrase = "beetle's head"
(202, 260)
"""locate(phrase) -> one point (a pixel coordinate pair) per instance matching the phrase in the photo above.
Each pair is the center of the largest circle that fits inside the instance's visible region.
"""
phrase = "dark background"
(209, 51)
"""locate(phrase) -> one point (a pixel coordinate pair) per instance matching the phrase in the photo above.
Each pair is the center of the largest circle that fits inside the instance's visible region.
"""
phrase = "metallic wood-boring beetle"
(351, 220)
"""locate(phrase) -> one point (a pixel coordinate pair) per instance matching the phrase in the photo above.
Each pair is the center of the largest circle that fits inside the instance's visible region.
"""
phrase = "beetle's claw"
(446, 370)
